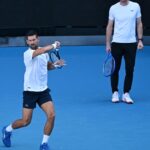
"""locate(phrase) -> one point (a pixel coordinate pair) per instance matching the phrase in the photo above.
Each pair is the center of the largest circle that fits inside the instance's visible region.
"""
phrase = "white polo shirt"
(124, 18)
(36, 73)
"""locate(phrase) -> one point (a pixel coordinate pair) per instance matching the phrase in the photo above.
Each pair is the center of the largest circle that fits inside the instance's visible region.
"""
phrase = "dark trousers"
(128, 51)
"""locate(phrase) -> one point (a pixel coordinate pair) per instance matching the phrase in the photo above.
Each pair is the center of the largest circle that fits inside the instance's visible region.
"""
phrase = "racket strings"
(109, 66)
(54, 57)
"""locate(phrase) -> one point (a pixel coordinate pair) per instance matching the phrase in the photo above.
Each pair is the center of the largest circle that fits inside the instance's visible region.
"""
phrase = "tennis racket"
(109, 65)
(54, 57)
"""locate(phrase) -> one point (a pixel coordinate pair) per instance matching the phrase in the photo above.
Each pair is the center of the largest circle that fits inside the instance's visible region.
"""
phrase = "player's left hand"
(140, 45)
(60, 63)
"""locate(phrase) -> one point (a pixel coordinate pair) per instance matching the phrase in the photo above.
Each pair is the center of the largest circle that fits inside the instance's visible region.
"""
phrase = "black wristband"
(140, 39)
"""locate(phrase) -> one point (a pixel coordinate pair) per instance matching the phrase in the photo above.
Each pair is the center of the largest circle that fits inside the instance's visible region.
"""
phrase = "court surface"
(85, 117)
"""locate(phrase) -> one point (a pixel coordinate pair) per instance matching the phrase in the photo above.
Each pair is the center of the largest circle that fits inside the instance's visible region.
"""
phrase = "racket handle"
(54, 45)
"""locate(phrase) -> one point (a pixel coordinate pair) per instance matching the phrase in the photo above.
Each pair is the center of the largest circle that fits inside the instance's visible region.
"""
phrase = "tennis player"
(125, 19)
(36, 91)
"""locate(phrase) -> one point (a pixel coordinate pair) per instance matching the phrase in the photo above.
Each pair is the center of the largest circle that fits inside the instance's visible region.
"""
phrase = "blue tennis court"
(85, 117)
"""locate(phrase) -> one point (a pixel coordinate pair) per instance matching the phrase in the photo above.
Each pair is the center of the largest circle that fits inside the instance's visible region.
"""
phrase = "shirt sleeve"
(111, 14)
(28, 57)
(138, 14)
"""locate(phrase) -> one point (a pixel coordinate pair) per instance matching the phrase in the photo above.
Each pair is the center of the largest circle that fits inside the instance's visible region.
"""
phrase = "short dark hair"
(30, 33)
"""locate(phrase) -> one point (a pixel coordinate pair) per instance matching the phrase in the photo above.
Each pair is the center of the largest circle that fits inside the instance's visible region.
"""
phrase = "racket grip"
(54, 45)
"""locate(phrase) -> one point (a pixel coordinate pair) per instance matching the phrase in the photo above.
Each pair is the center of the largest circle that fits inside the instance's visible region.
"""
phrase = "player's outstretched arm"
(45, 49)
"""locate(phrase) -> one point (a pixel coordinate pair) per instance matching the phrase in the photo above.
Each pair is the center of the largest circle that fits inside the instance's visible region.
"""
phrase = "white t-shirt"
(124, 18)
(35, 77)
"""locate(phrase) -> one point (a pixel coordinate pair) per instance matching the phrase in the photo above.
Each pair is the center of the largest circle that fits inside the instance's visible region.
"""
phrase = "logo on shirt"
(132, 10)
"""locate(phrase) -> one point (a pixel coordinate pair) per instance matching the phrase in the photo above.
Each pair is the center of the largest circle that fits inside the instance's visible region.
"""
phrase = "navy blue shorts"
(30, 99)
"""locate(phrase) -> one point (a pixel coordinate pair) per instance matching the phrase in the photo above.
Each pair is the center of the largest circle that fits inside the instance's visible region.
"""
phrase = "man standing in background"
(124, 19)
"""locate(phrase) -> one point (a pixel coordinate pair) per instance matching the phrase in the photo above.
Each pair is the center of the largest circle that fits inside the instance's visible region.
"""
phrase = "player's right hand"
(56, 45)
(108, 48)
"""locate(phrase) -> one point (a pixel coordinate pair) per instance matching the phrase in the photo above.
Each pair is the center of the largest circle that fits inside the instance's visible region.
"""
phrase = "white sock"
(45, 139)
(9, 128)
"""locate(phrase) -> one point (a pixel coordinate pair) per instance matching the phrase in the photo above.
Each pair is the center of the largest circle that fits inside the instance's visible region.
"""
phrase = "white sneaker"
(115, 97)
(127, 99)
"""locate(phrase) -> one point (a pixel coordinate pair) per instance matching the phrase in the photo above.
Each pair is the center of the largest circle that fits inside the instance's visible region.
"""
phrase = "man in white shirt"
(125, 19)
(36, 91)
